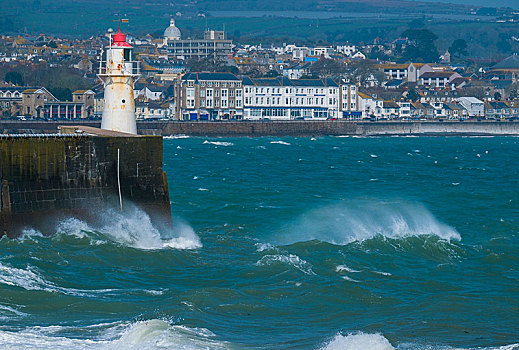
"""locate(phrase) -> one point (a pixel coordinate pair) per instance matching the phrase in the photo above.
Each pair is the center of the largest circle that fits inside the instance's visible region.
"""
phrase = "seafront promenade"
(288, 128)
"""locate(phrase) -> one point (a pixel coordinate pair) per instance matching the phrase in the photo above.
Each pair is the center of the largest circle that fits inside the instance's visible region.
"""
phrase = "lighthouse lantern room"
(118, 72)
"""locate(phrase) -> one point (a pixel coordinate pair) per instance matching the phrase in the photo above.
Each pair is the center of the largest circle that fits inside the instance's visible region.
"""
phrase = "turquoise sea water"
(287, 243)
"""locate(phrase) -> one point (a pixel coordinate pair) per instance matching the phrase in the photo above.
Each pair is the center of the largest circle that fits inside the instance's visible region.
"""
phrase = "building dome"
(172, 32)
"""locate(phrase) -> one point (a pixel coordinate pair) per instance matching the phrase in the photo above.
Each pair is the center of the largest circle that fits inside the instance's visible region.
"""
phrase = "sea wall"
(287, 128)
(43, 177)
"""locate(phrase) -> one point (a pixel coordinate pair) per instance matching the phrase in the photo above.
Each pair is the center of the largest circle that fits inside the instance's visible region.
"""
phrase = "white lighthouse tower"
(118, 73)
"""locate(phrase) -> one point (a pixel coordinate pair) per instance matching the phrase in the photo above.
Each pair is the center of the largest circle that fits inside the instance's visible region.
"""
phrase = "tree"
(209, 65)
(458, 48)
(326, 67)
(62, 94)
(412, 95)
(421, 47)
(14, 78)
(513, 91)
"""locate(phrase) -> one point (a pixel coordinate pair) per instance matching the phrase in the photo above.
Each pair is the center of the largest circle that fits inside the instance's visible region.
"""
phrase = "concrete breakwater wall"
(42, 178)
(288, 128)
(323, 128)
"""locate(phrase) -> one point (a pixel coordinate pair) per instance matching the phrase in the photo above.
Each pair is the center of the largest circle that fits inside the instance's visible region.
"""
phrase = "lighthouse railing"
(132, 68)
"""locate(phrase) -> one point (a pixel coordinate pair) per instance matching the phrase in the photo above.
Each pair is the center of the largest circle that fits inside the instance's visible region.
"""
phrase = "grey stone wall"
(74, 175)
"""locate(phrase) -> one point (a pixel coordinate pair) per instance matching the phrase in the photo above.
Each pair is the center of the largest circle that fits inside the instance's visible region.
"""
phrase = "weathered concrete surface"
(44, 177)
(286, 128)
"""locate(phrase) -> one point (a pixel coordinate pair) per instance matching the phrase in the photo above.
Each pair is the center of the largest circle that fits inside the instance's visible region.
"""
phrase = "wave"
(131, 228)
(218, 143)
(151, 334)
(376, 341)
(281, 143)
(290, 260)
(30, 279)
(358, 221)
(9, 313)
(181, 136)
(358, 341)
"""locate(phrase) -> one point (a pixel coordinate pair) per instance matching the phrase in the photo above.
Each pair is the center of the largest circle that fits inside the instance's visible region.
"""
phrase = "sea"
(321, 243)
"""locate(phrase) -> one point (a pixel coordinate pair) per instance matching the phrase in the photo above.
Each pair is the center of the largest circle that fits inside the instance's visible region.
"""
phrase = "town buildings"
(205, 96)
(285, 99)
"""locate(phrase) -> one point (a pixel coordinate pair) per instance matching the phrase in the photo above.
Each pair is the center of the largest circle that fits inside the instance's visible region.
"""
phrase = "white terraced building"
(284, 99)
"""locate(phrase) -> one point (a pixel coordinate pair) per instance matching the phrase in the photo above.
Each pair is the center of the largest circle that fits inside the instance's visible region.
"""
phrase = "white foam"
(381, 273)
(186, 238)
(260, 247)
(373, 156)
(132, 228)
(30, 279)
(291, 260)
(358, 341)
(357, 221)
(8, 313)
(151, 334)
(218, 143)
(201, 189)
(281, 143)
(344, 268)
(73, 227)
(176, 137)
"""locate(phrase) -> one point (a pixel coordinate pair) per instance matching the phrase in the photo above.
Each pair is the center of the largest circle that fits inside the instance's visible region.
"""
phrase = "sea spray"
(132, 228)
(360, 220)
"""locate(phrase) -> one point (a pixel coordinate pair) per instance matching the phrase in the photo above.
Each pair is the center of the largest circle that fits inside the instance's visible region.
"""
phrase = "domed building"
(171, 33)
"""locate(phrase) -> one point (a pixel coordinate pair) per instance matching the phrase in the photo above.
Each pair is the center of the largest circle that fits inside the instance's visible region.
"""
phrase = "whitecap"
(132, 228)
(30, 279)
(218, 143)
(260, 247)
(281, 143)
(150, 334)
(349, 279)
(201, 189)
(360, 220)
(382, 273)
(291, 260)
(180, 136)
(373, 156)
(342, 268)
(358, 341)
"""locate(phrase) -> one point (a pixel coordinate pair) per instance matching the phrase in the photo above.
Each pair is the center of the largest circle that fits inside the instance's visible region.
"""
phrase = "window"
(238, 93)
(224, 92)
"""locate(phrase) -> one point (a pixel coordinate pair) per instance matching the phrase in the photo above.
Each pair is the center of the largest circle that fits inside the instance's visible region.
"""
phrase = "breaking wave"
(357, 221)
(30, 279)
(281, 143)
(151, 334)
(291, 260)
(358, 341)
(180, 136)
(376, 341)
(218, 143)
(132, 228)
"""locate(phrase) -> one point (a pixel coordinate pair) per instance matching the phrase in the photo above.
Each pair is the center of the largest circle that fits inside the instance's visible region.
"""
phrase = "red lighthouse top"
(119, 40)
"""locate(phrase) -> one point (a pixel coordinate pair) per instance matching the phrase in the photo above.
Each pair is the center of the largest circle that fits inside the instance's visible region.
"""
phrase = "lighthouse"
(119, 73)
